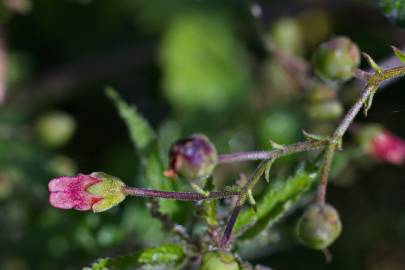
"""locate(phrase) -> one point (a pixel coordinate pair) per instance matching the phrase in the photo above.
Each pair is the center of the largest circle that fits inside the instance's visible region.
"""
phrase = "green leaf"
(154, 178)
(141, 133)
(399, 54)
(169, 255)
(394, 10)
(279, 197)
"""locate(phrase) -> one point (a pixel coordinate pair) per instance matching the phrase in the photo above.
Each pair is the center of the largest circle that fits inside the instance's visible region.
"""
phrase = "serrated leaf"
(169, 255)
(279, 197)
(399, 54)
(140, 131)
(154, 178)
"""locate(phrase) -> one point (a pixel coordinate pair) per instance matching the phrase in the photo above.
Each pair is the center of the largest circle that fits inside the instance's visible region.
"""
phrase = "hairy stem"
(266, 156)
(263, 155)
(230, 224)
(351, 114)
(373, 82)
(181, 196)
(323, 182)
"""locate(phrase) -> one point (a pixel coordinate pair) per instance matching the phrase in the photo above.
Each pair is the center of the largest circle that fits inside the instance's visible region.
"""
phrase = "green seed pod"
(327, 110)
(55, 129)
(336, 59)
(319, 226)
(218, 260)
(287, 35)
(321, 92)
(192, 158)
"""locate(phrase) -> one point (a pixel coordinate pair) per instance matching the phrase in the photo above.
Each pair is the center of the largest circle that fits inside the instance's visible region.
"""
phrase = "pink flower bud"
(70, 192)
(387, 147)
(97, 191)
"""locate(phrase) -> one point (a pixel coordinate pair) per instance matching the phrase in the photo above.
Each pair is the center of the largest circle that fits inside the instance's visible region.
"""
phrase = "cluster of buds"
(323, 103)
(97, 191)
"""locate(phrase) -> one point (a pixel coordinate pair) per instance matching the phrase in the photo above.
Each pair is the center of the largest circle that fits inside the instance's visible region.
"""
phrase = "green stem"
(373, 83)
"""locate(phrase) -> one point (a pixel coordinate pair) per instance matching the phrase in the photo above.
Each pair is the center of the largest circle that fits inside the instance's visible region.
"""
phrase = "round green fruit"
(336, 59)
(55, 129)
(319, 226)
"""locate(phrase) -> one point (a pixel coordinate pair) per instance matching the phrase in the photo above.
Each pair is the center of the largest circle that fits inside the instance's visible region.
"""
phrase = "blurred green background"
(189, 66)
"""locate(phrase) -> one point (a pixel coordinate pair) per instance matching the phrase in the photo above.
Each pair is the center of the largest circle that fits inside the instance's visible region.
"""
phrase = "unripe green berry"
(319, 226)
(321, 92)
(327, 110)
(192, 158)
(287, 35)
(55, 129)
(336, 59)
(218, 260)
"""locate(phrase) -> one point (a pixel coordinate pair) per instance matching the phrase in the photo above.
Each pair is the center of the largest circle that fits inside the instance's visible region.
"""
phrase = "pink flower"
(387, 147)
(70, 192)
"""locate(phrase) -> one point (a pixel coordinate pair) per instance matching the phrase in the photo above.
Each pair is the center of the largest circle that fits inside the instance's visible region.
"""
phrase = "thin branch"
(351, 114)
(372, 85)
(181, 196)
(323, 181)
(263, 155)
(230, 224)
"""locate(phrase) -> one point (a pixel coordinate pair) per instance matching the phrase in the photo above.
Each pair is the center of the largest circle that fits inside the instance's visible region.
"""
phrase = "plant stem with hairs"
(180, 196)
(332, 143)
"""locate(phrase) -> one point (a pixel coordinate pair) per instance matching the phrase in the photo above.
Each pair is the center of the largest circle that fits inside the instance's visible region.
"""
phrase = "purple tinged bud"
(192, 158)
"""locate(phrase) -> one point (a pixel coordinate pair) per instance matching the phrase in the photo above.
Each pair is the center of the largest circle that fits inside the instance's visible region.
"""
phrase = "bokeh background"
(188, 66)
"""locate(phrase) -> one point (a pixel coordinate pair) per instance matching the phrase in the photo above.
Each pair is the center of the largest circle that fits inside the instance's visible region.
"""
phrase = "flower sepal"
(110, 189)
